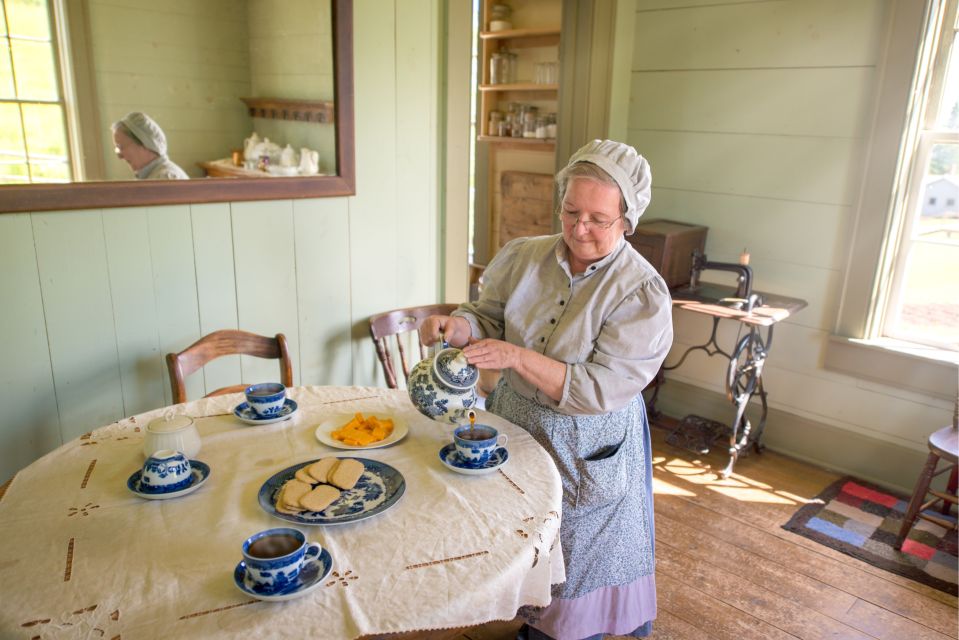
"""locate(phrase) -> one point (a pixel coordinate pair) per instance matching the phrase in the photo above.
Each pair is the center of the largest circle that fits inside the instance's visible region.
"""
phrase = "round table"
(81, 554)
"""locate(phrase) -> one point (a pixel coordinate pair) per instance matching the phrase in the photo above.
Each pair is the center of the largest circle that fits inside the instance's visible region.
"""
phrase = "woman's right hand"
(450, 329)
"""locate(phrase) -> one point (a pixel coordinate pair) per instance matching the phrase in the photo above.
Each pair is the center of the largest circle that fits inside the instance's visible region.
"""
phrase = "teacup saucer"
(453, 461)
(245, 412)
(310, 577)
(201, 471)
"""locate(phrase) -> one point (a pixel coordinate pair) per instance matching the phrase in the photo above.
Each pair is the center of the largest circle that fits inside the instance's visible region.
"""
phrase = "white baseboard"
(878, 461)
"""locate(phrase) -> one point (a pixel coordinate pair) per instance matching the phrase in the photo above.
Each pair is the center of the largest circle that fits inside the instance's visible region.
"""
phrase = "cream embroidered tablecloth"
(81, 556)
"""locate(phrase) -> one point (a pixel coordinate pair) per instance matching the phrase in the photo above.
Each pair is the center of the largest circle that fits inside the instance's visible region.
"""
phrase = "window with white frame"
(920, 299)
(33, 131)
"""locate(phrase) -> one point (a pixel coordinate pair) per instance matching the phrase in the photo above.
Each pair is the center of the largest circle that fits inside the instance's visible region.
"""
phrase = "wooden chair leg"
(951, 489)
(918, 497)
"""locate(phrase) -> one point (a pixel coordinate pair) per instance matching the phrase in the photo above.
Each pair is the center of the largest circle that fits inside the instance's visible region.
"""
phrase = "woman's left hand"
(492, 354)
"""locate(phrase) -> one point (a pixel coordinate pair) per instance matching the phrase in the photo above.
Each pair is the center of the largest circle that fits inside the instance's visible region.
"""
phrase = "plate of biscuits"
(332, 490)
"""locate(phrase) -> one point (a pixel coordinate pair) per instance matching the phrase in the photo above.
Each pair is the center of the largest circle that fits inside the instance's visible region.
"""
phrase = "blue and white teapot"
(444, 387)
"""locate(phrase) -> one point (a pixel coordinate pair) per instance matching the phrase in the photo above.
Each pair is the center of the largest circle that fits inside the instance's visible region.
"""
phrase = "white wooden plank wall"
(753, 117)
(93, 300)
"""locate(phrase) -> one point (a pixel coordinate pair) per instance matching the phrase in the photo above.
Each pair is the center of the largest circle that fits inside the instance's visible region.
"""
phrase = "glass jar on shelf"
(529, 122)
(495, 123)
(498, 68)
(551, 125)
(512, 62)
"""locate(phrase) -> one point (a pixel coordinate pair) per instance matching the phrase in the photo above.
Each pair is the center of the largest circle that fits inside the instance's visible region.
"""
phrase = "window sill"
(901, 364)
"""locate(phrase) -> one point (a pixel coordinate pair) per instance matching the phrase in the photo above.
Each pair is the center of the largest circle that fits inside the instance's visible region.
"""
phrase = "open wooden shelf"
(321, 111)
(519, 86)
(544, 144)
(532, 37)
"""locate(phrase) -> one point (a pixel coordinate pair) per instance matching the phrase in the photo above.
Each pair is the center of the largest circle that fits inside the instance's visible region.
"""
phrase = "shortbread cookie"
(320, 498)
(346, 474)
(282, 508)
(304, 476)
(291, 492)
(321, 468)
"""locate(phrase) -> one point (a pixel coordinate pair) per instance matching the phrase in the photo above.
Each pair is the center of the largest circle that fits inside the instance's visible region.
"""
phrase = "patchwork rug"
(862, 520)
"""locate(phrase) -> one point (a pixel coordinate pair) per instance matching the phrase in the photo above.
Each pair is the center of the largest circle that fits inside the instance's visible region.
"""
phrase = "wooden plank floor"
(727, 570)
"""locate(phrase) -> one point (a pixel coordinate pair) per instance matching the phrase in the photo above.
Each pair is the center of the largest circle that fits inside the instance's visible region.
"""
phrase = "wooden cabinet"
(533, 40)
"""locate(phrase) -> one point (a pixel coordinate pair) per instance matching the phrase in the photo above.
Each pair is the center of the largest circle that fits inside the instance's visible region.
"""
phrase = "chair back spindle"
(392, 332)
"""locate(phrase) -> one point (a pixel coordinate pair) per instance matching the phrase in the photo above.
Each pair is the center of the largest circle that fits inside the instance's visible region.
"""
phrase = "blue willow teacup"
(165, 471)
(274, 558)
(476, 445)
(266, 398)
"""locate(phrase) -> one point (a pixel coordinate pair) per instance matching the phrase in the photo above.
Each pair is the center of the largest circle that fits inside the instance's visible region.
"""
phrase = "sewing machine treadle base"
(699, 434)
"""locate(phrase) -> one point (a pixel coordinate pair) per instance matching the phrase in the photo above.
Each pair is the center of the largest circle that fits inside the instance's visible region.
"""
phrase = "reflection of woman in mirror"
(141, 143)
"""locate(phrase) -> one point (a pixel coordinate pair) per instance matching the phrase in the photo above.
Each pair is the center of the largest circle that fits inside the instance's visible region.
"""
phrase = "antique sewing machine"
(744, 379)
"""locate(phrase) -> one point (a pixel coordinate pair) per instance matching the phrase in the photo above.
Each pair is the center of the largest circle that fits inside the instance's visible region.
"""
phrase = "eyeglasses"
(572, 220)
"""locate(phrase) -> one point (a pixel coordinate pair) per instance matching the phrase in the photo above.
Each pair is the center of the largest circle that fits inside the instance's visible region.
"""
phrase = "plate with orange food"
(361, 430)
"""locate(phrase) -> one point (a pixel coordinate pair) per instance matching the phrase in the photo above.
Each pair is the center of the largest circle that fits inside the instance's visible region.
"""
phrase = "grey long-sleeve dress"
(612, 326)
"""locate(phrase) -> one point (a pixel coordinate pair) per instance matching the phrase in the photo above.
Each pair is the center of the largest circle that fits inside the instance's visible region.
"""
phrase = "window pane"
(11, 134)
(12, 172)
(948, 116)
(35, 71)
(46, 134)
(6, 74)
(28, 18)
(928, 310)
(50, 172)
(929, 306)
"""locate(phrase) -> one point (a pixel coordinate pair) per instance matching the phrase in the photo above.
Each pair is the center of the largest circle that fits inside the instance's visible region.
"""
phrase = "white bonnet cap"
(624, 165)
(146, 130)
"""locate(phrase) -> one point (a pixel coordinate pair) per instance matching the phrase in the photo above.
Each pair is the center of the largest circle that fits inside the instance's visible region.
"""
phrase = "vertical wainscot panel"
(71, 255)
(376, 262)
(216, 288)
(174, 282)
(266, 279)
(323, 290)
(126, 233)
(30, 425)
(415, 207)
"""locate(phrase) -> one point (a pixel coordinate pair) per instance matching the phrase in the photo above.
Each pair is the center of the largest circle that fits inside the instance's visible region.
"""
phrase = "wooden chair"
(224, 343)
(393, 328)
(943, 446)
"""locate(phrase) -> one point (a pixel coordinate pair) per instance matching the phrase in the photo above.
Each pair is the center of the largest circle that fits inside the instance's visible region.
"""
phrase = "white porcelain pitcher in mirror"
(443, 387)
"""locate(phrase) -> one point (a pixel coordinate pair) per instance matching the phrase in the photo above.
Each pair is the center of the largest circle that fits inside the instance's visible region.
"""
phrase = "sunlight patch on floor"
(661, 487)
(737, 487)
(750, 494)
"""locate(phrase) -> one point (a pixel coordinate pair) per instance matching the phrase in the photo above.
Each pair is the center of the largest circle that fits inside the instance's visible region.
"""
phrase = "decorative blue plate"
(378, 489)
(312, 573)
(246, 413)
(453, 461)
(201, 471)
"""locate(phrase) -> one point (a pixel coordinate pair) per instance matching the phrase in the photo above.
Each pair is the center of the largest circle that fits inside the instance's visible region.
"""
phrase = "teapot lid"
(453, 369)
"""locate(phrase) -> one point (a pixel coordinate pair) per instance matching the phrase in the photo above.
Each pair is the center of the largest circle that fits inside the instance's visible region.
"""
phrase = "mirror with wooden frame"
(102, 189)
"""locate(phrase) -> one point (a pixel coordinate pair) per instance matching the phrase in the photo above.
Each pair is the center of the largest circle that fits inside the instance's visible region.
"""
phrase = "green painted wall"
(755, 118)
(287, 38)
(94, 299)
(184, 63)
